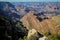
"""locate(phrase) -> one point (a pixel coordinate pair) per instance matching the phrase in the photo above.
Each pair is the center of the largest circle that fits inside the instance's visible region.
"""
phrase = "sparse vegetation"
(33, 37)
(57, 20)
(24, 38)
(53, 37)
(47, 33)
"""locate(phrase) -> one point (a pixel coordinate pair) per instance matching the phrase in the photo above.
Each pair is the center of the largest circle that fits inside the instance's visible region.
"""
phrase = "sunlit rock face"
(33, 33)
(43, 38)
(36, 34)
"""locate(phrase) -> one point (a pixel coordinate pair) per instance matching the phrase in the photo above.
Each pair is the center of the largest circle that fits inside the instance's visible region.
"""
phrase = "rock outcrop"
(34, 34)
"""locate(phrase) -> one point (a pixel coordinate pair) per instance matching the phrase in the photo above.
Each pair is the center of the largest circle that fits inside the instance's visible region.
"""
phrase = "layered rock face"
(47, 25)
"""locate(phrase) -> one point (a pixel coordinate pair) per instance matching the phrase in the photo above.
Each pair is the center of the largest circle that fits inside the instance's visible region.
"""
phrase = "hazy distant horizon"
(29, 0)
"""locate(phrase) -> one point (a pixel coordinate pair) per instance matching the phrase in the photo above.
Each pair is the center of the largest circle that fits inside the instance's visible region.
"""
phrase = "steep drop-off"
(50, 26)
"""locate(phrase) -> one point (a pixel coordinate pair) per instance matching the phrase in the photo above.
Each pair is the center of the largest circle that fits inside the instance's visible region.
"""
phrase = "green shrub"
(33, 38)
(24, 38)
(20, 39)
(53, 37)
(47, 33)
